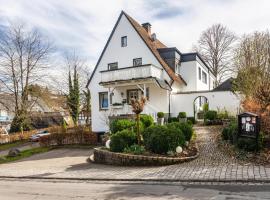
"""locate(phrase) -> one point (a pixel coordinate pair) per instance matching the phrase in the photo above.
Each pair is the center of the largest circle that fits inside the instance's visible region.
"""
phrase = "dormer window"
(137, 61)
(124, 41)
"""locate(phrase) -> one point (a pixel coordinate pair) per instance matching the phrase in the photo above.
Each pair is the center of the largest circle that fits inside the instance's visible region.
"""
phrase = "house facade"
(134, 63)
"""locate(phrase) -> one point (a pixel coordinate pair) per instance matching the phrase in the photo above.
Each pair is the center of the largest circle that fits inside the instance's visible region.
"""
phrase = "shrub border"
(102, 156)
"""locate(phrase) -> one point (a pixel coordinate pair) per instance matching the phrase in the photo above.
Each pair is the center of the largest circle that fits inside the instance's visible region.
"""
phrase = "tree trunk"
(138, 128)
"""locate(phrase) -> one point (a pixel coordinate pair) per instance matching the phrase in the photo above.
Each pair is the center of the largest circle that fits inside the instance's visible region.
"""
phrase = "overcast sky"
(85, 25)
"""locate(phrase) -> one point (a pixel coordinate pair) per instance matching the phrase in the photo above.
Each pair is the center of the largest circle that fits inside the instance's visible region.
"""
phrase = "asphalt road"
(14, 189)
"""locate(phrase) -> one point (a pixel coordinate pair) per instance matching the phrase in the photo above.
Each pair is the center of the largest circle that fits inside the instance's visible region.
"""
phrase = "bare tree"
(23, 58)
(252, 59)
(73, 65)
(215, 46)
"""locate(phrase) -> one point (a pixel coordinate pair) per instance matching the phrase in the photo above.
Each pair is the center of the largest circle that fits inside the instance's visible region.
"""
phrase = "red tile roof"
(154, 45)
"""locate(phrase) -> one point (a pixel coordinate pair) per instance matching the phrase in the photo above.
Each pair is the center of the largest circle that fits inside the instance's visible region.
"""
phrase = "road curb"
(235, 181)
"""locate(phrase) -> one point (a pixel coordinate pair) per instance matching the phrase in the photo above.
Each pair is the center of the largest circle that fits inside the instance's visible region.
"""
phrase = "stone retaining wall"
(103, 156)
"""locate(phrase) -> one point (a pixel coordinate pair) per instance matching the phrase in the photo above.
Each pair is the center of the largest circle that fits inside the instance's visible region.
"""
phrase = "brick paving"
(211, 165)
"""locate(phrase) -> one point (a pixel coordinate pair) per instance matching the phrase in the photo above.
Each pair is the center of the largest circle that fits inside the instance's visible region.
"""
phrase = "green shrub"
(161, 139)
(122, 140)
(147, 120)
(121, 124)
(210, 115)
(184, 127)
(182, 115)
(247, 144)
(205, 107)
(223, 114)
(135, 149)
(225, 133)
(160, 114)
(173, 119)
(175, 138)
(191, 119)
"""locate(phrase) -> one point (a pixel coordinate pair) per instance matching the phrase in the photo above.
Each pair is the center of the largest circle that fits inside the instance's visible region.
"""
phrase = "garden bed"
(104, 156)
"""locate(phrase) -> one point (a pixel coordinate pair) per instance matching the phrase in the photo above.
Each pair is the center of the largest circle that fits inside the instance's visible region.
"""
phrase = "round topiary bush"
(147, 120)
(186, 129)
(161, 139)
(121, 140)
(160, 114)
(182, 115)
(121, 124)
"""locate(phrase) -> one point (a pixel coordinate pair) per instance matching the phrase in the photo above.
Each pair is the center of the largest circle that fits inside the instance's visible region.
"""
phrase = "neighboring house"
(42, 113)
(134, 63)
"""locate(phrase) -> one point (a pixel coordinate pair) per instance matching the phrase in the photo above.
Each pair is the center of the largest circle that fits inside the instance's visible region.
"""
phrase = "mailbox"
(248, 125)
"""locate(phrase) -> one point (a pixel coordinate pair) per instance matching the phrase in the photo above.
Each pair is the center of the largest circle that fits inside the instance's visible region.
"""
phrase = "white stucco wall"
(188, 72)
(136, 48)
(217, 100)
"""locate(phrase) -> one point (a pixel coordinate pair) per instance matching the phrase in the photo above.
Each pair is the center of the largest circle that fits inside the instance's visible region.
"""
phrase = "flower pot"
(182, 120)
(160, 121)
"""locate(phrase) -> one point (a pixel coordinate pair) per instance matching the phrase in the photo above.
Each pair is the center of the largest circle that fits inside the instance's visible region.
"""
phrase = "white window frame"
(124, 41)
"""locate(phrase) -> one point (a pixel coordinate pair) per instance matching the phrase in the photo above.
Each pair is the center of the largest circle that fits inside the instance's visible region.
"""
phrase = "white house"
(135, 63)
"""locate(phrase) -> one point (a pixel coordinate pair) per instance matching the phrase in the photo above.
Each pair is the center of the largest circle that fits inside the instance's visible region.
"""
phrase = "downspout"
(169, 104)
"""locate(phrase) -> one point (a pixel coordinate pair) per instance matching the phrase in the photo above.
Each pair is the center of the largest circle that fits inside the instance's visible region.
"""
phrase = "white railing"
(126, 109)
(143, 71)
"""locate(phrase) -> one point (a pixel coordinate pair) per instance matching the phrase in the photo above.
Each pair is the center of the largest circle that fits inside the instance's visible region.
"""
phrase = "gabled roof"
(225, 86)
(153, 46)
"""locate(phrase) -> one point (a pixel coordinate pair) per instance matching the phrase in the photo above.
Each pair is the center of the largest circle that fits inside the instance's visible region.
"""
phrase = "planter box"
(160, 121)
(103, 156)
(117, 106)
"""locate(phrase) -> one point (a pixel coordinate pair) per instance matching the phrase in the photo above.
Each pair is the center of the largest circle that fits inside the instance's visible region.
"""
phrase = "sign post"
(249, 126)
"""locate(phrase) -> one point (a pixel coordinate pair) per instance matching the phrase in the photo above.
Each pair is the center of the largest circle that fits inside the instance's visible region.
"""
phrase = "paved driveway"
(211, 165)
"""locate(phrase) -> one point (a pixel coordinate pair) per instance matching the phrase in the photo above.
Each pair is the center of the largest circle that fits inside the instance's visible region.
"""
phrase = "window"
(177, 68)
(124, 41)
(200, 74)
(147, 93)
(103, 100)
(204, 77)
(112, 66)
(137, 61)
(132, 94)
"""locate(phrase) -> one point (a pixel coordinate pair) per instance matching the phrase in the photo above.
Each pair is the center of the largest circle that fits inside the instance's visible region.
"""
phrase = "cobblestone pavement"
(212, 165)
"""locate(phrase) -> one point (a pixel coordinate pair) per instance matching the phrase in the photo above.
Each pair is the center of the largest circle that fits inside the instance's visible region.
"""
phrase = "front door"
(132, 94)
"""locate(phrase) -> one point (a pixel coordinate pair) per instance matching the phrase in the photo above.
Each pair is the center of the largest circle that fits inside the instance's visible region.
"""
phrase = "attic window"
(124, 41)
(137, 61)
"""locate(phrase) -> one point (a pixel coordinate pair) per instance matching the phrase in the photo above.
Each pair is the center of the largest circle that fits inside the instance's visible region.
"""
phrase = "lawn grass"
(24, 154)
(13, 144)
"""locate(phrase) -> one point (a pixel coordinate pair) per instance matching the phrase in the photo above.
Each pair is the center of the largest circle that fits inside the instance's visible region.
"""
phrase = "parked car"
(36, 137)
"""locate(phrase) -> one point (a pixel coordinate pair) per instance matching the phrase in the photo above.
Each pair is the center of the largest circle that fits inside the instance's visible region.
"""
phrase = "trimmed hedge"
(186, 129)
(191, 119)
(121, 124)
(147, 120)
(161, 139)
(210, 115)
(173, 119)
(121, 140)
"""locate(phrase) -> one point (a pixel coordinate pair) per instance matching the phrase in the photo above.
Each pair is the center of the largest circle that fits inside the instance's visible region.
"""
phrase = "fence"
(78, 135)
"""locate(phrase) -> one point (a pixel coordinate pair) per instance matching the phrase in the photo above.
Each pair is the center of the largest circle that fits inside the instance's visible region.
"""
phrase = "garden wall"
(183, 102)
(104, 156)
